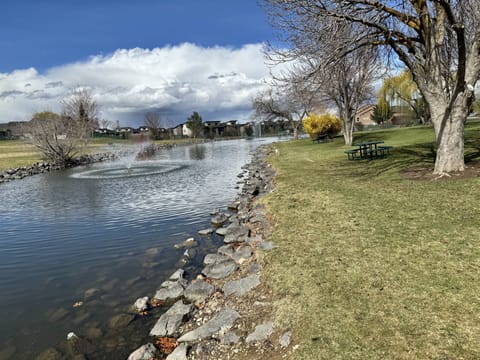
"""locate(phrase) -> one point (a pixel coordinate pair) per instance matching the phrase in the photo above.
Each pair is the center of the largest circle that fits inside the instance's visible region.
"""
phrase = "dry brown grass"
(371, 265)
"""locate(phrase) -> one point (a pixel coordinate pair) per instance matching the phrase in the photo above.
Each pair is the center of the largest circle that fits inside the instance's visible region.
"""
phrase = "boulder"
(144, 352)
(198, 291)
(221, 231)
(220, 270)
(219, 219)
(242, 286)
(205, 232)
(242, 254)
(261, 333)
(171, 320)
(170, 290)
(180, 353)
(224, 320)
(237, 234)
(214, 258)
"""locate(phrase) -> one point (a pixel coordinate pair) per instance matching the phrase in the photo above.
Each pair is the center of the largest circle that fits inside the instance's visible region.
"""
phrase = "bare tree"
(81, 110)
(153, 122)
(61, 138)
(438, 41)
(288, 98)
(342, 82)
(106, 124)
(347, 84)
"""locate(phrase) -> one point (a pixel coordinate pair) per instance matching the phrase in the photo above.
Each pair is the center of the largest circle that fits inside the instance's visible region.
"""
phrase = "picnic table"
(368, 150)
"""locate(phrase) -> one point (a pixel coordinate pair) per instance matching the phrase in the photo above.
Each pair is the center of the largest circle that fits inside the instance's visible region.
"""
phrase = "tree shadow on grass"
(400, 158)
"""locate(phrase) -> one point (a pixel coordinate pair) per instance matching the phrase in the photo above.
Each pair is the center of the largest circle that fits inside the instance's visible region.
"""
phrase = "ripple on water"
(120, 170)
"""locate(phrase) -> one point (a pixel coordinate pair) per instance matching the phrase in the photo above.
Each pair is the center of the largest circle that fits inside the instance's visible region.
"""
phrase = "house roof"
(364, 109)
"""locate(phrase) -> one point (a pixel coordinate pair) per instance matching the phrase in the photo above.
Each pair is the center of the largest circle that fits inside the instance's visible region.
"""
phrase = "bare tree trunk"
(449, 135)
(348, 132)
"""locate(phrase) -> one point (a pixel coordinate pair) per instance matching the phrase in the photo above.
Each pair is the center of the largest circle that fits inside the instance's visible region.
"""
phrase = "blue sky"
(173, 57)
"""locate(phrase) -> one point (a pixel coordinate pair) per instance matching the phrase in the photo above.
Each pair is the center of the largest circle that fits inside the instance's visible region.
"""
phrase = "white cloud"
(218, 82)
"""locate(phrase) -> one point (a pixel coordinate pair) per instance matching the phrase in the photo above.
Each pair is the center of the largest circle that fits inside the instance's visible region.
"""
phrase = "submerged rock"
(189, 243)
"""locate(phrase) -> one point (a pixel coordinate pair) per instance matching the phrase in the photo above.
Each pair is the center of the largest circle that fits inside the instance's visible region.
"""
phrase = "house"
(181, 130)
(363, 116)
(212, 129)
(186, 131)
(12, 130)
(104, 132)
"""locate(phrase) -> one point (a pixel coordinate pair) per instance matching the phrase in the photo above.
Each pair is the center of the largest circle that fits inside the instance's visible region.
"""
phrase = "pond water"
(105, 235)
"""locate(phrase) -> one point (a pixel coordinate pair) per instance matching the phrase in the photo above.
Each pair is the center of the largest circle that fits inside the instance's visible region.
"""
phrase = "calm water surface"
(104, 235)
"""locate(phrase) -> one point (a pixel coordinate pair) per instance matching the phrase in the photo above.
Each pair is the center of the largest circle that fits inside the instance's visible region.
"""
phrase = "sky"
(168, 56)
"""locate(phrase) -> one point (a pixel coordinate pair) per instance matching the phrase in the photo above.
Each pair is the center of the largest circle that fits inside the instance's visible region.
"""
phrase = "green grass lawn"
(371, 265)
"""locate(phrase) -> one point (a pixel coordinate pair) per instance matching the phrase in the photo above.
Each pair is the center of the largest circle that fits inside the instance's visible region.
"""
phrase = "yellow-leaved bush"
(326, 124)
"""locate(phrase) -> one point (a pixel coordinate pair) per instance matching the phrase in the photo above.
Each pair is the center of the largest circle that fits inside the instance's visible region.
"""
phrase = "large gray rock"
(223, 321)
(242, 254)
(144, 352)
(226, 250)
(229, 338)
(214, 259)
(242, 286)
(261, 333)
(238, 234)
(170, 321)
(219, 220)
(205, 232)
(177, 275)
(180, 353)
(198, 290)
(170, 290)
(220, 270)
(221, 231)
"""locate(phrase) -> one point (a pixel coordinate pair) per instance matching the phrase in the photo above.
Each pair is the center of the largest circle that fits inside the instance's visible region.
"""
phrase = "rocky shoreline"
(224, 312)
(45, 167)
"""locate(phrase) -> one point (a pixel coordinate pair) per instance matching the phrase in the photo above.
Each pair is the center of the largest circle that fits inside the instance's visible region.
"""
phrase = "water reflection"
(197, 152)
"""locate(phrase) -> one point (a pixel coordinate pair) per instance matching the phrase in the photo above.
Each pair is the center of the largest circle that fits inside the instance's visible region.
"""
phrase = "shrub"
(326, 124)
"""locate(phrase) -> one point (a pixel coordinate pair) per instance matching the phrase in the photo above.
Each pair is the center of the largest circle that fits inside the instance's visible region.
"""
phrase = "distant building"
(12, 130)
(363, 116)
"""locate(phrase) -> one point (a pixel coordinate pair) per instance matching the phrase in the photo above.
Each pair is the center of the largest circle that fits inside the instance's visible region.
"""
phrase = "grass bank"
(371, 265)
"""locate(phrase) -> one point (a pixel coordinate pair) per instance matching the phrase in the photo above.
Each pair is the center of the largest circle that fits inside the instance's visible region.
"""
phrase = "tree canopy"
(437, 40)
(195, 124)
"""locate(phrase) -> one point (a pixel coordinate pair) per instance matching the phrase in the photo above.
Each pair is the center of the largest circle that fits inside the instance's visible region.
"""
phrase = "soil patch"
(472, 170)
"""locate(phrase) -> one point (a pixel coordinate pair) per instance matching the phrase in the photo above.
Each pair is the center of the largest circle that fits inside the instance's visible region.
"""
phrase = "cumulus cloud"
(218, 82)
